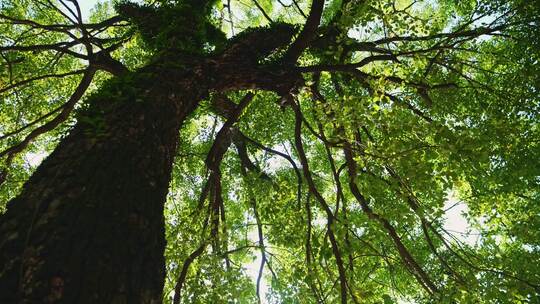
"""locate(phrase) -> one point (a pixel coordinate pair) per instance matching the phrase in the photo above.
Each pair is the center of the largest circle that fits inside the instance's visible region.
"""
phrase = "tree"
(329, 138)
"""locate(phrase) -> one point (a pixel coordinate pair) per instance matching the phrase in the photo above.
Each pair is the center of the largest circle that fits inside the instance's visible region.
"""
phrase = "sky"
(86, 6)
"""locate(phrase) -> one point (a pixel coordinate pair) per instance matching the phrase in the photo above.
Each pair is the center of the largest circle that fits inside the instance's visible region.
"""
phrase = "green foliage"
(450, 118)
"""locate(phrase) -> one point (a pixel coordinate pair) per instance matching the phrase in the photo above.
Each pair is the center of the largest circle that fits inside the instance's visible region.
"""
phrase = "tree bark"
(88, 226)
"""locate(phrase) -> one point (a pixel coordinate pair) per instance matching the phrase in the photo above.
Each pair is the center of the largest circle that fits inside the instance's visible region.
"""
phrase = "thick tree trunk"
(88, 226)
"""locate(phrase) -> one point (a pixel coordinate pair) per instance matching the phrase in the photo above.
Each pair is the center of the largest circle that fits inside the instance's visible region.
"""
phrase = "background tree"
(334, 150)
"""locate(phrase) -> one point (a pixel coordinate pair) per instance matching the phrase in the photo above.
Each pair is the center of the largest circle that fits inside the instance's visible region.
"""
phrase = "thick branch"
(222, 141)
(308, 32)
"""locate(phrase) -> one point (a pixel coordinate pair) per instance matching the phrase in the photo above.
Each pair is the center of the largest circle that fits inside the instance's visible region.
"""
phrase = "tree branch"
(64, 114)
(313, 190)
(409, 261)
(307, 33)
(263, 11)
(183, 273)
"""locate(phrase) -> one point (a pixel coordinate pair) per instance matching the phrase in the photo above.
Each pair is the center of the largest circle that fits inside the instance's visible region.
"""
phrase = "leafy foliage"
(342, 190)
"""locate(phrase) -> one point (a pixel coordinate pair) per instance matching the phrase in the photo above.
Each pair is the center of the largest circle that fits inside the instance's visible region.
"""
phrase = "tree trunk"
(88, 226)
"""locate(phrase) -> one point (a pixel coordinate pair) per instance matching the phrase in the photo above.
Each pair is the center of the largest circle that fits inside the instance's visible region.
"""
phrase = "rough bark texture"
(88, 226)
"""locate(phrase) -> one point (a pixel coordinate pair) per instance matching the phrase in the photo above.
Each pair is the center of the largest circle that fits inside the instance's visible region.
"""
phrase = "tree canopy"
(342, 184)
